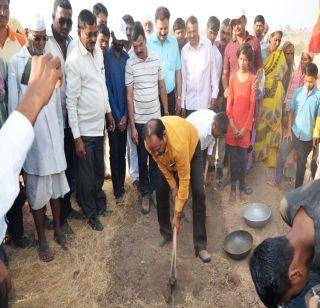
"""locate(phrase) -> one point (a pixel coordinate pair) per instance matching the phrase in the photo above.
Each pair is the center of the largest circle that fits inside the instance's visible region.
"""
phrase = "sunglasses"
(65, 21)
(39, 38)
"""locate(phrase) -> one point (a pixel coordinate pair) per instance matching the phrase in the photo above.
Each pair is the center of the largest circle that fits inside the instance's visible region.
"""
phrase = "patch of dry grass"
(78, 277)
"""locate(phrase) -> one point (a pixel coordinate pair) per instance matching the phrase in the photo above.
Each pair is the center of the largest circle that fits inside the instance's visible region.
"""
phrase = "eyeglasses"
(39, 38)
(65, 21)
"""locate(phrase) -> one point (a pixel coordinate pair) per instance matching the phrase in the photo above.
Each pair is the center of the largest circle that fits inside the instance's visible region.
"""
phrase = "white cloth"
(37, 23)
(87, 94)
(16, 137)
(46, 155)
(202, 120)
(200, 75)
(132, 154)
(40, 189)
(53, 47)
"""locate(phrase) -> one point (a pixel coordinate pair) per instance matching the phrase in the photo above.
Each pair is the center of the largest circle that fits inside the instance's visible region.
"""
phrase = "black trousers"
(117, 143)
(171, 103)
(198, 203)
(90, 177)
(238, 165)
(303, 149)
(3, 299)
(147, 172)
(188, 112)
(69, 151)
(15, 216)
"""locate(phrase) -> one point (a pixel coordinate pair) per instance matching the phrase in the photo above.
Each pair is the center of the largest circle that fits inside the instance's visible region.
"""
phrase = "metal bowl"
(256, 215)
(238, 244)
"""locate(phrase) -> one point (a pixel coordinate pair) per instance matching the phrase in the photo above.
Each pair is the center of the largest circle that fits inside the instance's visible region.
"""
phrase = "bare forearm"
(290, 120)
(164, 97)
(225, 81)
(179, 82)
(30, 105)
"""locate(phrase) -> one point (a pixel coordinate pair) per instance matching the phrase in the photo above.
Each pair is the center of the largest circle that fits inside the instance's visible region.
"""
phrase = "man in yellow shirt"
(174, 145)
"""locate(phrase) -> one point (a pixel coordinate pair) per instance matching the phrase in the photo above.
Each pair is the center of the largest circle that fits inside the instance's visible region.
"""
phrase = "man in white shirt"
(144, 81)
(16, 138)
(210, 126)
(45, 163)
(200, 73)
(60, 44)
(87, 104)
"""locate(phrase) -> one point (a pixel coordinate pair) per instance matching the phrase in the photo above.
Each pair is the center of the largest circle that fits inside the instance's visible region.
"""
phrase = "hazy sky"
(296, 13)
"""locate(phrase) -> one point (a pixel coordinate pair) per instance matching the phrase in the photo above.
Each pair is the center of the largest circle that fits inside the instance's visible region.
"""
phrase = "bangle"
(166, 113)
(179, 97)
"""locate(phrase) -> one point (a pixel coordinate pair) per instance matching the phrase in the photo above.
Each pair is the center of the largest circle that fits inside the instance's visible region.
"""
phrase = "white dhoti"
(40, 189)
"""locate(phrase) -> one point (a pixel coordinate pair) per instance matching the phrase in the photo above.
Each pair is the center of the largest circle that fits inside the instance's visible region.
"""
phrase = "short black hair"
(226, 22)
(269, 267)
(65, 4)
(86, 18)
(192, 20)
(154, 127)
(179, 24)
(259, 18)
(137, 31)
(162, 13)
(246, 50)
(312, 70)
(128, 19)
(102, 28)
(99, 8)
(213, 24)
(221, 121)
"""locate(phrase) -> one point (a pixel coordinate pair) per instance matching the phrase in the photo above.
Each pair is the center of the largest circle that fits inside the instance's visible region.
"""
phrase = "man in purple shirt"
(230, 63)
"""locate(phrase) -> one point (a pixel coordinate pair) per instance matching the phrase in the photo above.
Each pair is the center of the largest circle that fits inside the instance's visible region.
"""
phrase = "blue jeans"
(303, 149)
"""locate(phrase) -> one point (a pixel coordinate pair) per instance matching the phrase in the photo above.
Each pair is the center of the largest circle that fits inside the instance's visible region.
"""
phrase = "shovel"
(173, 272)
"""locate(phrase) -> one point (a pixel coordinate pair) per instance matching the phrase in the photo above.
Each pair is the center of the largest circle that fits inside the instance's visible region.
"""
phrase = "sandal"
(45, 253)
(247, 189)
(61, 240)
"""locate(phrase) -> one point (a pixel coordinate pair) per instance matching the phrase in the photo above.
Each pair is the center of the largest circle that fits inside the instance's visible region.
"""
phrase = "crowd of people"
(175, 107)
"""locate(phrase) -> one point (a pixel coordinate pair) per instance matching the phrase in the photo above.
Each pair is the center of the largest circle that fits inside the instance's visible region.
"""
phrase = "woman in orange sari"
(268, 125)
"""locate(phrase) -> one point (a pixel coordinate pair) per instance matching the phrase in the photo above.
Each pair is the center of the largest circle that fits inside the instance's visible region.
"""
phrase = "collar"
(84, 51)
(306, 93)
(123, 53)
(50, 34)
(202, 42)
(154, 38)
(248, 37)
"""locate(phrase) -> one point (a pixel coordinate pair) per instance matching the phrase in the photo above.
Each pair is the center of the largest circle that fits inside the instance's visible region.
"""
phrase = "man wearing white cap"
(45, 163)
(115, 63)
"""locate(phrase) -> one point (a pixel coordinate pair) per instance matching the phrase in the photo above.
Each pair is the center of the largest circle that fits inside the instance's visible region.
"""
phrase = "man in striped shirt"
(144, 80)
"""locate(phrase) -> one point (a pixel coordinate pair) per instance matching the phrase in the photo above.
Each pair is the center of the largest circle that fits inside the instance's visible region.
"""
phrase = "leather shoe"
(204, 256)
(95, 224)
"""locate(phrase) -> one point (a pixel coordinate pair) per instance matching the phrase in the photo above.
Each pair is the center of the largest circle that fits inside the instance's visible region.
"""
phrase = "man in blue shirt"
(166, 47)
(115, 62)
(305, 108)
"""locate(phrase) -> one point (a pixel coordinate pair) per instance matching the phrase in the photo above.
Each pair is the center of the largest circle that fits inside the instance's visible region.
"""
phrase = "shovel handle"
(174, 254)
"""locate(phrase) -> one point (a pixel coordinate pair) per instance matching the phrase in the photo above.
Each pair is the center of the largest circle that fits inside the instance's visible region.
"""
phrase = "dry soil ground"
(124, 267)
